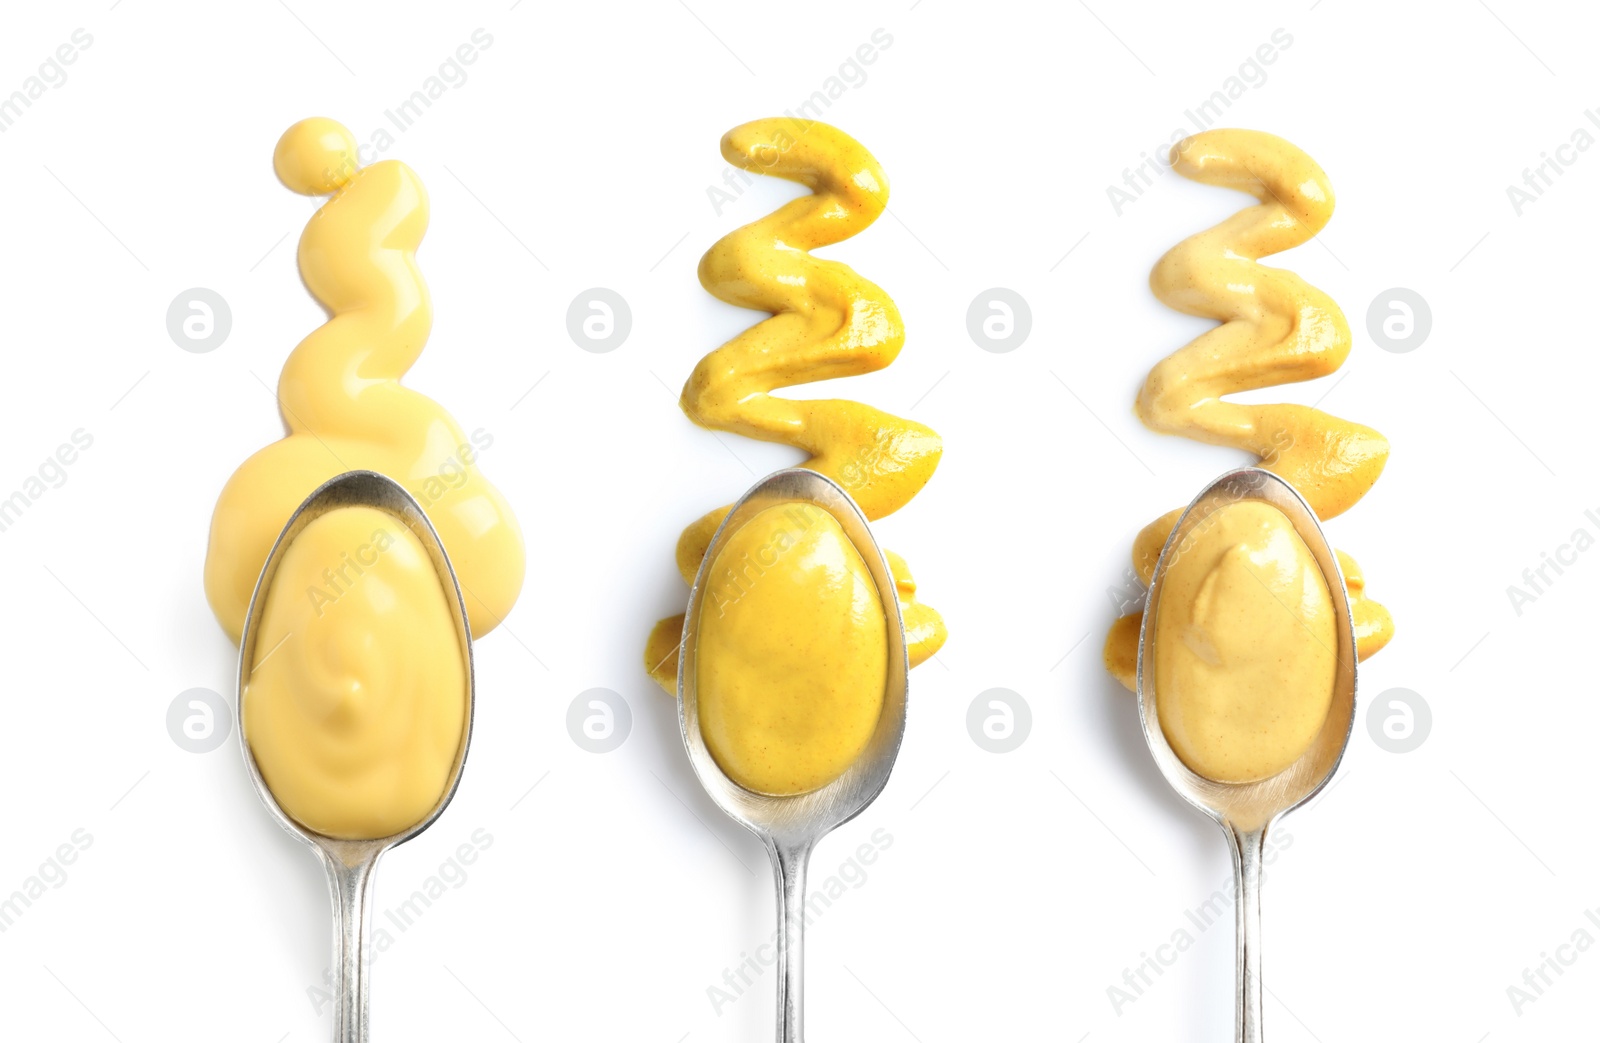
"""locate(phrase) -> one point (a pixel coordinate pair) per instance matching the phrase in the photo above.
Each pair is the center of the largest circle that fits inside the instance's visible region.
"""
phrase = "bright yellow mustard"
(1245, 646)
(792, 652)
(356, 704)
(356, 717)
(826, 322)
(1275, 329)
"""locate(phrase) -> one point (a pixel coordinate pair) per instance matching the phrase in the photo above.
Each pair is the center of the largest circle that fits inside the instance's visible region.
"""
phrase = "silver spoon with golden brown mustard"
(1246, 811)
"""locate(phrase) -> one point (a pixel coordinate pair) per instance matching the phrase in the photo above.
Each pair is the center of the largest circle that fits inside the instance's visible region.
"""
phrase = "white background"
(1019, 886)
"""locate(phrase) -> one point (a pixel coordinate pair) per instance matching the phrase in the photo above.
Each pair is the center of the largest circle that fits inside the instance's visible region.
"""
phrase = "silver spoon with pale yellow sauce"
(1246, 676)
(355, 670)
(315, 685)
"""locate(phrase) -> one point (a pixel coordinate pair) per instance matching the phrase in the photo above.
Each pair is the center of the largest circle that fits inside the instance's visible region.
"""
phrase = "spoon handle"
(350, 882)
(789, 864)
(1248, 848)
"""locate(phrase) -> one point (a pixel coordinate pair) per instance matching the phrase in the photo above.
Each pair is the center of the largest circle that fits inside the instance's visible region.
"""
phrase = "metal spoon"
(1246, 811)
(350, 863)
(791, 826)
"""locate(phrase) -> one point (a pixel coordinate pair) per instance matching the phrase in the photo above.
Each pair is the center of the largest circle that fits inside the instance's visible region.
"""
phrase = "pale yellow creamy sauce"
(1245, 646)
(356, 705)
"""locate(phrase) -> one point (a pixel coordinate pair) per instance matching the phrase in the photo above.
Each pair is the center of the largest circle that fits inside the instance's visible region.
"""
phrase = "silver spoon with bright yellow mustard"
(792, 682)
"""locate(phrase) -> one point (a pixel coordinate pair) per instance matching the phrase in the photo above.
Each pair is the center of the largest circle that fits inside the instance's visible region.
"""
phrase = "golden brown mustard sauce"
(1245, 658)
(826, 322)
(1276, 329)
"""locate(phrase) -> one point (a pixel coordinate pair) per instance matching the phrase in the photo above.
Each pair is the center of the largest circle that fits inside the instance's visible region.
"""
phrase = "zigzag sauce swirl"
(1275, 329)
(826, 322)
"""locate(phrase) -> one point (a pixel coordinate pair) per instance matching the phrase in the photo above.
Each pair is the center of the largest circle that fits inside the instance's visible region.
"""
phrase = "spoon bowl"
(790, 826)
(1246, 811)
(1251, 805)
(350, 863)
